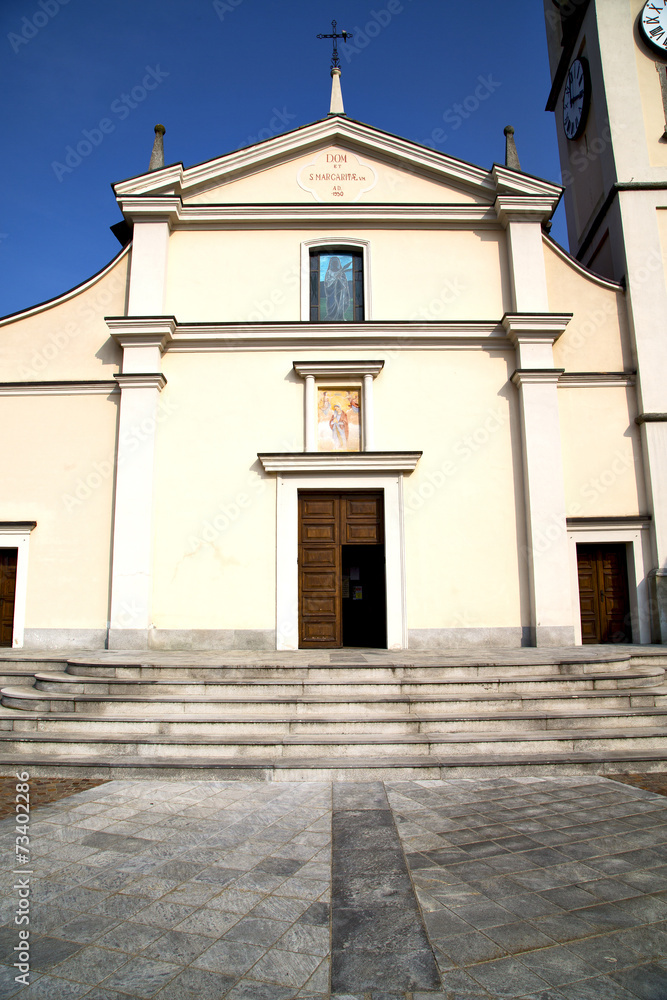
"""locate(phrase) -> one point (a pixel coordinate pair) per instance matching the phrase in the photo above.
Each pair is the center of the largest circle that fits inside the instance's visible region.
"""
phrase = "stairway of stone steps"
(335, 714)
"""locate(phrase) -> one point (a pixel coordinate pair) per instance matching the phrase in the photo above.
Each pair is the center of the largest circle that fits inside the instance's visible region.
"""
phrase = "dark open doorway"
(364, 596)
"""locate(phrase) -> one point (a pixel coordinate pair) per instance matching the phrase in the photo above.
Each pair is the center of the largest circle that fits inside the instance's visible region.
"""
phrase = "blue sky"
(220, 74)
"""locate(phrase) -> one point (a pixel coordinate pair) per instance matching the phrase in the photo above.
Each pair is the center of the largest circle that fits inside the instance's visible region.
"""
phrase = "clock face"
(576, 99)
(653, 24)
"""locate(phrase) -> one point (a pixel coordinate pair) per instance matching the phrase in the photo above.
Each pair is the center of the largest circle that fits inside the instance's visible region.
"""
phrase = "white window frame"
(338, 241)
(16, 535)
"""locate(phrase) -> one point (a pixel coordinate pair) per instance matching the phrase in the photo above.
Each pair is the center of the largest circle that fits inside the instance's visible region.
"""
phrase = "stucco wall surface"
(59, 472)
(67, 338)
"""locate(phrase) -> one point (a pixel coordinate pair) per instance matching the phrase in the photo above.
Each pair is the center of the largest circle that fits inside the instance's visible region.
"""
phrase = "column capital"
(532, 327)
(143, 331)
(523, 208)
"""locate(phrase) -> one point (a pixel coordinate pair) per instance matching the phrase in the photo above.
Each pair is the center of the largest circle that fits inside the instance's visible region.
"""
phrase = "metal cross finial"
(335, 61)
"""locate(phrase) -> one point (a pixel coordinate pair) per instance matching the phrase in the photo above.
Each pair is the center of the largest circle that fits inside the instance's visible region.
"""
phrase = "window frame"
(341, 245)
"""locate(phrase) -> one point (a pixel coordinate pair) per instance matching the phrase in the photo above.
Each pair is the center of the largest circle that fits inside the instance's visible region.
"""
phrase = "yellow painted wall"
(215, 516)
(596, 338)
(252, 276)
(67, 339)
(602, 460)
(58, 471)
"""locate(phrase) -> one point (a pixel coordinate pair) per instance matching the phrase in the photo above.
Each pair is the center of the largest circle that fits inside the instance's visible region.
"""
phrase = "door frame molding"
(635, 534)
(287, 549)
(16, 535)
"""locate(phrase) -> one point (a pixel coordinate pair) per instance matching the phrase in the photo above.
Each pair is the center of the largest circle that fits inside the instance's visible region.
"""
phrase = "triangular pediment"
(337, 161)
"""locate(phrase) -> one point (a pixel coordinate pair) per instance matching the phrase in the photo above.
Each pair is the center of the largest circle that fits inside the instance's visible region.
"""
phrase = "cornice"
(408, 335)
(145, 331)
(525, 328)
(16, 527)
(142, 380)
(596, 380)
(323, 461)
(169, 209)
(524, 208)
(510, 181)
(299, 142)
(337, 369)
(79, 387)
(536, 376)
(621, 521)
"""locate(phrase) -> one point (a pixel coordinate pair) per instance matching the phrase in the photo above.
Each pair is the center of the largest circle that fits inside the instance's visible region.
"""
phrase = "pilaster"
(143, 341)
(546, 548)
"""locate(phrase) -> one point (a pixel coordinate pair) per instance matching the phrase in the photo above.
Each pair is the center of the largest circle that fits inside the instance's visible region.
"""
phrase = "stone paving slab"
(540, 888)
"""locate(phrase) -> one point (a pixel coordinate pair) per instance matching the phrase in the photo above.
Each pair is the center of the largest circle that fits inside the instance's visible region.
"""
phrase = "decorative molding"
(146, 331)
(580, 268)
(622, 521)
(596, 380)
(302, 141)
(155, 208)
(83, 387)
(535, 376)
(323, 461)
(337, 369)
(510, 181)
(16, 527)
(407, 335)
(535, 327)
(524, 208)
(138, 380)
(168, 209)
(651, 418)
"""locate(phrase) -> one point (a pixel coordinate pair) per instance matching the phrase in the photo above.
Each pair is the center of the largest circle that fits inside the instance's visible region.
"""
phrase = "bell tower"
(608, 62)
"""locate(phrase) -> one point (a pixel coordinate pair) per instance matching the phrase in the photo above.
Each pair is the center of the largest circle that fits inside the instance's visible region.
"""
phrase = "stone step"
(327, 768)
(451, 746)
(24, 678)
(66, 683)
(370, 706)
(225, 724)
(372, 673)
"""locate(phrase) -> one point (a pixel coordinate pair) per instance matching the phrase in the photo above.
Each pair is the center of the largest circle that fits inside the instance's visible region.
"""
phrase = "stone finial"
(157, 156)
(336, 93)
(511, 155)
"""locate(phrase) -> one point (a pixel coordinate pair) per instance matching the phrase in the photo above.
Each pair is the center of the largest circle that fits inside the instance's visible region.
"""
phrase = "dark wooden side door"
(327, 521)
(8, 559)
(603, 594)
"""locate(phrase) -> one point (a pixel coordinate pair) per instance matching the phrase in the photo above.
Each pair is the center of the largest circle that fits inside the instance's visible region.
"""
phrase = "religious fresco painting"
(338, 420)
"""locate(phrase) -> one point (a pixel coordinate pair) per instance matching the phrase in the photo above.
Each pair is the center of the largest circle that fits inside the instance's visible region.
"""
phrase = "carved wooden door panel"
(320, 623)
(328, 521)
(603, 594)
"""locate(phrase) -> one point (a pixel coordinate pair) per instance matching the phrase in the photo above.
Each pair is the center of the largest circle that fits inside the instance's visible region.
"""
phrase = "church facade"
(337, 389)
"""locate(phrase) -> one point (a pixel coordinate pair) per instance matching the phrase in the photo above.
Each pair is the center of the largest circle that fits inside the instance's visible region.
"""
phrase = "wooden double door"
(342, 586)
(603, 593)
(8, 560)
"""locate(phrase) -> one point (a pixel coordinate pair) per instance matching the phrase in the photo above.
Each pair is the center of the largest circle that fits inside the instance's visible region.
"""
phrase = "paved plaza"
(533, 887)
